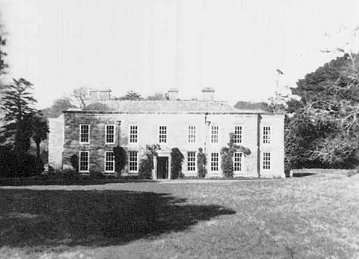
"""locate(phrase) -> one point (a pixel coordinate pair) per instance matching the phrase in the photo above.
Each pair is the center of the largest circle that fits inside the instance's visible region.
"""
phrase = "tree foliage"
(132, 96)
(97, 107)
(17, 104)
(3, 64)
(40, 128)
(323, 129)
(59, 105)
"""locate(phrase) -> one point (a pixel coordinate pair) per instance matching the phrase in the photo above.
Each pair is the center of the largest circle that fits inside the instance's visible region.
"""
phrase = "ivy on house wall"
(120, 159)
(227, 156)
(176, 163)
(201, 163)
(146, 163)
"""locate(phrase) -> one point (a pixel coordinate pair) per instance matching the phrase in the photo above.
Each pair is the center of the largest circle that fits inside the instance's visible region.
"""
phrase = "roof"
(172, 106)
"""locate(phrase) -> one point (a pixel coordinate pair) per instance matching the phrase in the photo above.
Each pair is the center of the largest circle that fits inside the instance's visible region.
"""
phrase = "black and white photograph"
(179, 129)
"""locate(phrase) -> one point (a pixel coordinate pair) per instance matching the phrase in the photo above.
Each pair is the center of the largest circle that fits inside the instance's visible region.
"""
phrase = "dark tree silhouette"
(39, 130)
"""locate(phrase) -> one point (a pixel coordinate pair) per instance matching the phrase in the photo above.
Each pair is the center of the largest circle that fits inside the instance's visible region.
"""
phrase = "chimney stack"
(173, 94)
(208, 94)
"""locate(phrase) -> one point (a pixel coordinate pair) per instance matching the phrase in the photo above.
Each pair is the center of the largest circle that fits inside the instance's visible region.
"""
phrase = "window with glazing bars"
(237, 136)
(266, 160)
(84, 161)
(110, 134)
(163, 134)
(214, 134)
(109, 161)
(214, 161)
(266, 134)
(237, 161)
(191, 161)
(84, 133)
(191, 134)
(133, 134)
(133, 163)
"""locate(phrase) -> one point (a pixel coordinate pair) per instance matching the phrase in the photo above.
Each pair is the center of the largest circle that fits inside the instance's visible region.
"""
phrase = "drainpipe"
(259, 118)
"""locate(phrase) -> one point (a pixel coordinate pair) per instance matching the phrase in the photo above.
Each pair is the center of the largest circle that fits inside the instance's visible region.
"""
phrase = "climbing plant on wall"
(176, 163)
(120, 159)
(146, 163)
(227, 155)
(201, 163)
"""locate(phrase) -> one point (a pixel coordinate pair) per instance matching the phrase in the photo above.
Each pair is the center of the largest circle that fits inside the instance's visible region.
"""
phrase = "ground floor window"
(84, 161)
(109, 161)
(191, 161)
(132, 161)
(214, 161)
(237, 161)
(266, 160)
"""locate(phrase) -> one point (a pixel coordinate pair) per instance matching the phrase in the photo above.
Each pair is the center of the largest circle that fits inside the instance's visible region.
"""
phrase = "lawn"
(309, 217)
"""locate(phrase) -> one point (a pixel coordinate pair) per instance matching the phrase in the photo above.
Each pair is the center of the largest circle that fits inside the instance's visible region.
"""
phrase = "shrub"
(8, 162)
(201, 163)
(74, 160)
(146, 167)
(176, 163)
(120, 159)
(227, 162)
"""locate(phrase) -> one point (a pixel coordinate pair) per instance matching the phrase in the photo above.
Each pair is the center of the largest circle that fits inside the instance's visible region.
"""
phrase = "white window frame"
(132, 136)
(238, 163)
(191, 134)
(191, 165)
(162, 134)
(266, 134)
(129, 161)
(88, 133)
(106, 161)
(238, 138)
(214, 162)
(88, 162)
(114, 133)
(266, 161)
(214, 134)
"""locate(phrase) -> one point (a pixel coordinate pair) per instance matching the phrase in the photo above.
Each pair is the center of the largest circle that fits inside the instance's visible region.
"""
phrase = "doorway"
(162, 167)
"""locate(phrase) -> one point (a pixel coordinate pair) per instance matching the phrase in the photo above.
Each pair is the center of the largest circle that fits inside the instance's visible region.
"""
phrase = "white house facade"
(189, 125)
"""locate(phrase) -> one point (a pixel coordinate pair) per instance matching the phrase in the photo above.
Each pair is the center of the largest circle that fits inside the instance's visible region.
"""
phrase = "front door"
(162, 167)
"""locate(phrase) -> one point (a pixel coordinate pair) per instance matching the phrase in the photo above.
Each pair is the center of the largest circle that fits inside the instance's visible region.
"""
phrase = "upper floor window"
(109, 162)
(237, 161)
(214, 161)
(191, 134)
(237, 136)
(84, 133)
(191, 161)
(266, 160)
(214, 134)
(84, 161)
(133, 161)
(266, 135)
(110, 134)
(162, 134)
(133, 134)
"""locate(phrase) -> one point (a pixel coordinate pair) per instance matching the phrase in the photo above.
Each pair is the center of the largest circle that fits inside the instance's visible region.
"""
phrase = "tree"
(132, 96)
(59, 105)
(3, 64)
(157, 97)
(17, 103)
(81, 95)
(98, 107)
(323, 131)
(39, 130)
(251, 105)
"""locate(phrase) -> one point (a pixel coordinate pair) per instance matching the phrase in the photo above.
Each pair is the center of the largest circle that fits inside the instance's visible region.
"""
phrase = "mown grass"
(309, 217)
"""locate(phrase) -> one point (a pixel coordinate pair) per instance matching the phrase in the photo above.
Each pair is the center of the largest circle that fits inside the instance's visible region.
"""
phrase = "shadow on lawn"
(51, 218)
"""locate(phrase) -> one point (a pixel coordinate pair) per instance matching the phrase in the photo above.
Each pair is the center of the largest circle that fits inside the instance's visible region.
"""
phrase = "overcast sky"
(149, 46)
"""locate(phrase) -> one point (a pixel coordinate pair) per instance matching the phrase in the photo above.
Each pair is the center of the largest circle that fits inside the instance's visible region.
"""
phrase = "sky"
(149, 46)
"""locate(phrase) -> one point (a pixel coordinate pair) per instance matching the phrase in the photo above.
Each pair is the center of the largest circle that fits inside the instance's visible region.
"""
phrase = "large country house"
(188, 125)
